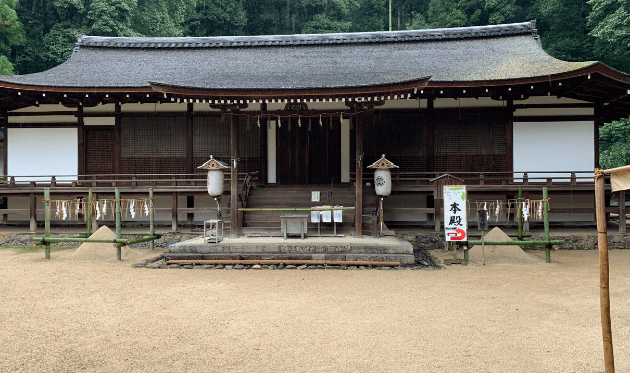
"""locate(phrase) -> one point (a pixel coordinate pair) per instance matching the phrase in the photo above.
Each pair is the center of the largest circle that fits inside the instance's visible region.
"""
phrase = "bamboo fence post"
(151, 219)
(604, 290)
(118, 224)
(546, 218)
(520, 213)
(88, 215)
(47, 223)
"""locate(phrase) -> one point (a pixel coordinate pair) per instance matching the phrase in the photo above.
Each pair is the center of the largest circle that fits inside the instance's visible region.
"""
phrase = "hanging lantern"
(383, 176)
(215, 176)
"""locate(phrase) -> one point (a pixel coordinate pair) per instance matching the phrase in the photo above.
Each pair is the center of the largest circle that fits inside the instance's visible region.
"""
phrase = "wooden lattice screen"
(153, 145)
(401, 137)
(99, 150)
(212, 137)
(474, 142)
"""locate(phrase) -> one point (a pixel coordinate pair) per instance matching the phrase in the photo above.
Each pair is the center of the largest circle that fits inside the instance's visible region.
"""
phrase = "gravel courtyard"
(69, 315)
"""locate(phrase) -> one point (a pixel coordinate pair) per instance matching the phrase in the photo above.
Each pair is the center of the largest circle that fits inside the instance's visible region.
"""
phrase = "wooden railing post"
(482, 180)
(174, 212)
(525, 179)
(33, 213)
(622, 211)
(53, 181)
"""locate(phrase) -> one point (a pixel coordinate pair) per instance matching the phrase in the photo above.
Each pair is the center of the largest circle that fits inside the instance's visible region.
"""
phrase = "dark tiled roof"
(305, 61)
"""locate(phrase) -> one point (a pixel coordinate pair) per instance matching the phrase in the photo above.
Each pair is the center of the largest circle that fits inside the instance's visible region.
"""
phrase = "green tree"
(11, 34)
(217, 17)
(614, 144)
(610, 22)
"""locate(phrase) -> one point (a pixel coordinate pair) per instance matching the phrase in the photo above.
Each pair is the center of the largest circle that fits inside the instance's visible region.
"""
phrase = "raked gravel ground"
(65, 315)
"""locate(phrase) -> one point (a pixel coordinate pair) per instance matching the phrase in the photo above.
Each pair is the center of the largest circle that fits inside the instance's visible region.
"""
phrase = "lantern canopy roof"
(382, 164)
(214, 164)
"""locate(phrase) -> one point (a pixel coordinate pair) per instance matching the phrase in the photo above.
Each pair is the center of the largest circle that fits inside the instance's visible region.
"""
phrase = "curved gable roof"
(299, 62)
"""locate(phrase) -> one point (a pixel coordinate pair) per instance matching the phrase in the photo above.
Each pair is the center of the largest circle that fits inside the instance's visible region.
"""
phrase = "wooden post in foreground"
(47, 221)
(604, 291)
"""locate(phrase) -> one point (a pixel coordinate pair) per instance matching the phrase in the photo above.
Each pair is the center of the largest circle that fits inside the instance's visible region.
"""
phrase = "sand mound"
(507, 254)
(98, 251)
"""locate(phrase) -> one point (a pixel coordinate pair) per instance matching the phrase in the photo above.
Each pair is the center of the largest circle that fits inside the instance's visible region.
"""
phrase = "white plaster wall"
(43, 151)
(553, 146)
(100, 108)
(151, 108)
(99, 121)
(43, 108)
(400, 104)
(468, 102)
(71, 118)
(553, 111)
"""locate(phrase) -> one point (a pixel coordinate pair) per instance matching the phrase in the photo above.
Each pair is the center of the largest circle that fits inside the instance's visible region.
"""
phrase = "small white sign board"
(314, 196)
(455, 217)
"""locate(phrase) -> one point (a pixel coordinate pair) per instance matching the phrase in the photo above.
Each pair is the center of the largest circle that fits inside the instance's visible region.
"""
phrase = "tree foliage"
(11, 34)
(614, 144)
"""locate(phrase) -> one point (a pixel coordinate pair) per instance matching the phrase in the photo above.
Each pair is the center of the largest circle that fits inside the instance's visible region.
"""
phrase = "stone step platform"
(387, 249)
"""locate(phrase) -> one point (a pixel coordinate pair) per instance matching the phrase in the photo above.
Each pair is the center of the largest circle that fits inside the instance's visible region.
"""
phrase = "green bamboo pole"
(520, 213)
(546, 217)
(88, 214)
(297, 209)
(118, 224)
(47, 223)
(390, 15)
(47, 240)
(525, 234)
(517, 243)
(151, 218)
(466, 255)
(144, 239)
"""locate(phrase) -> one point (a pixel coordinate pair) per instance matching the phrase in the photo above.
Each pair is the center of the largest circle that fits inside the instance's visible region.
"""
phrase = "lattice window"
(212, 137)
(401, 137)
(474, 142)
(99, 151)
(153, 145)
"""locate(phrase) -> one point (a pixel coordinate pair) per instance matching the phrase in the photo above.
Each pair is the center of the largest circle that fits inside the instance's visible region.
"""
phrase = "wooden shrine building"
(293, 114)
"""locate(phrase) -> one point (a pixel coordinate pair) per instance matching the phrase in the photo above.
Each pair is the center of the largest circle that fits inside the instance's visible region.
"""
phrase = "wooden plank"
(234, 228)
(358, 204)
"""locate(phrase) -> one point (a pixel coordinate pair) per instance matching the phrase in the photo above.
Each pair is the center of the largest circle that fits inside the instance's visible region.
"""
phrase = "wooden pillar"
(33, 213)
(190, 167)
(358, 203)
(596, 137)
(430, 134)
(437, 206)
(234, 228)
(81, 140)
(117, 139)
(604, 276)
(622, 211)
(174, 212)
(5, 202)
(509, 132)
(263, 145)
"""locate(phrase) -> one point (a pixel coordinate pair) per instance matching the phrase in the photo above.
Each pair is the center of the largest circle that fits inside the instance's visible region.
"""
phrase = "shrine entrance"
(307, 152)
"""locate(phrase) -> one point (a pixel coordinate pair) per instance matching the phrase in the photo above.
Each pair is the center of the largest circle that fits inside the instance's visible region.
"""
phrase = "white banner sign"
(455, 218)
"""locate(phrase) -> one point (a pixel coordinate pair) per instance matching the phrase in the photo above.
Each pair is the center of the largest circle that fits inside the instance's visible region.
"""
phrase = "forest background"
(36, 35)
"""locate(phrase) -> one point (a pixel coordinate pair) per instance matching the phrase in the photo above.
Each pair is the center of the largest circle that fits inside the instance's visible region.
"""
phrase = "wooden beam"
(234, 228)
(358, 204)
(117, 140)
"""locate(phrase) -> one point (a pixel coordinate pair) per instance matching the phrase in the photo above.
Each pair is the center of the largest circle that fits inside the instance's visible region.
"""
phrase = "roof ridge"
(307, 39)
